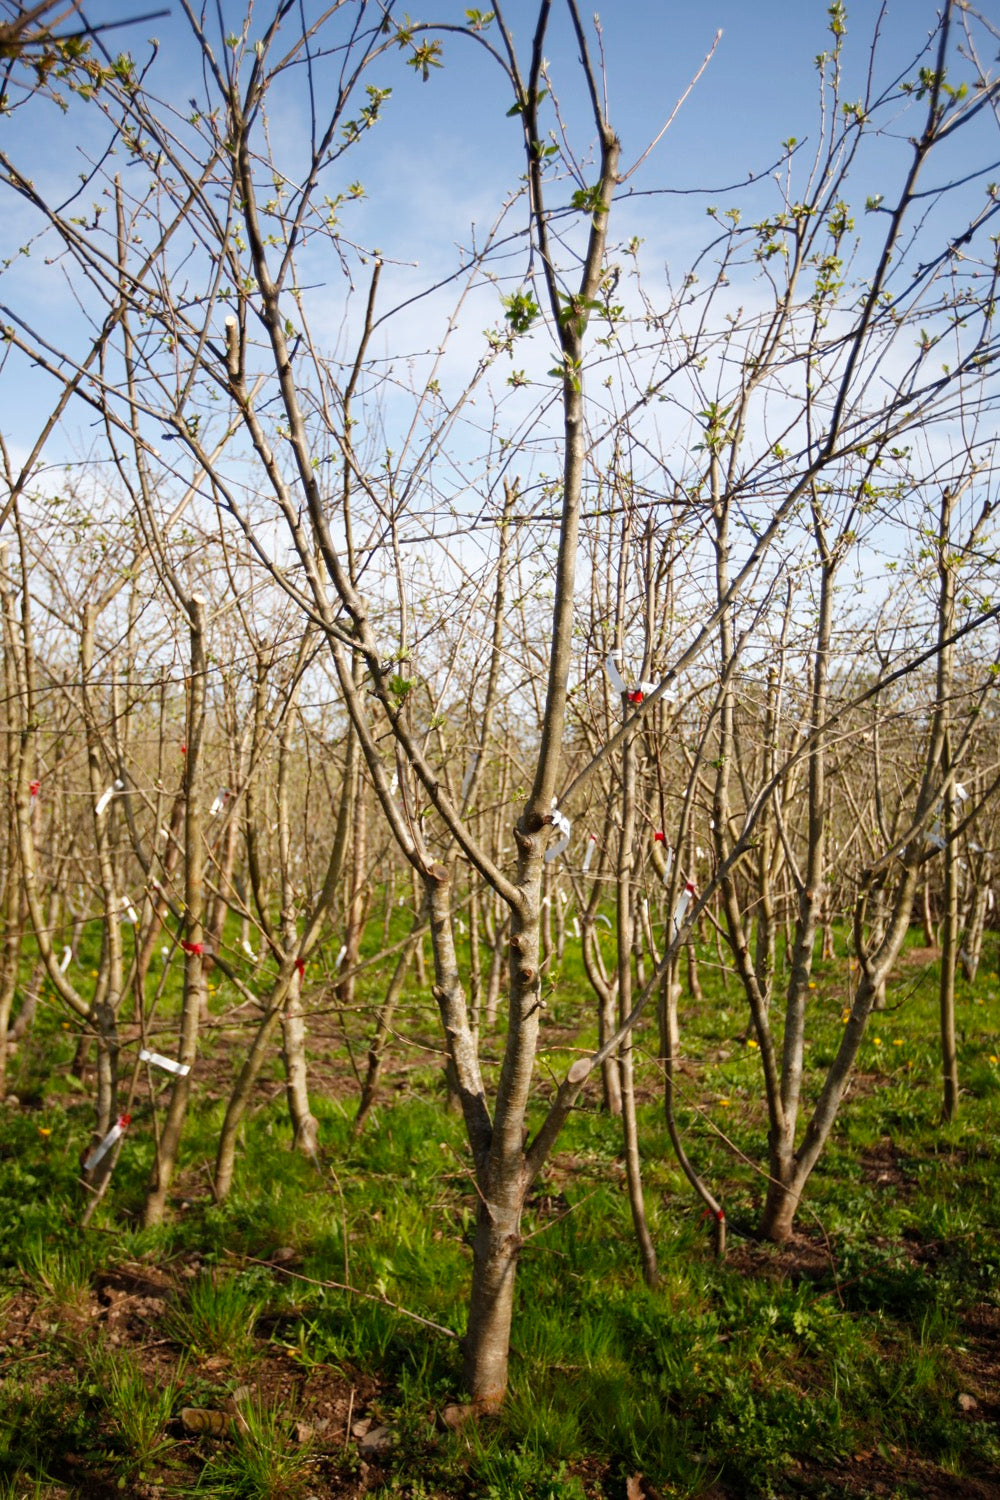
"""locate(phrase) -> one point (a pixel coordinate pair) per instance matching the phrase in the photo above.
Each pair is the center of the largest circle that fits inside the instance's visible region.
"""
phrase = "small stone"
(457, 1414)
(361, 1427)
(967, 1402)
(378, 1440)
(282, 1255)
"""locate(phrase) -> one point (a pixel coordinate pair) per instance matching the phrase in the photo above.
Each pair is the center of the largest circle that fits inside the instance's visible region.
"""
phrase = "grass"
(218, 1317)
(827, 1368)
(261, 1462)
(139, 1411)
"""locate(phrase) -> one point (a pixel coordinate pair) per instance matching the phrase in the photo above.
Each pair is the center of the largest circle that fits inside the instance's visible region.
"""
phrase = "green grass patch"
(766, 1374)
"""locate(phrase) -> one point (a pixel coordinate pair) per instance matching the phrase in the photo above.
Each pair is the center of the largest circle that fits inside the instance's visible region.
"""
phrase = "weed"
(262, 1462)
(63, 1272)
(136, 1412)
(219, 1318)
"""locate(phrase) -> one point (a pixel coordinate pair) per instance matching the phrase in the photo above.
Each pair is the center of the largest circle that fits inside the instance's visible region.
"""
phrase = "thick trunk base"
(778, 1219)
(486, 1346)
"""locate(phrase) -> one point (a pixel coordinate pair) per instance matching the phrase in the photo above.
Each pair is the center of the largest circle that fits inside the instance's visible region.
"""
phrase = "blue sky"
(445, 153)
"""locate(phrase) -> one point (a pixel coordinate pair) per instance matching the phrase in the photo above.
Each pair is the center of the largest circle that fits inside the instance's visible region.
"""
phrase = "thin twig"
(558, 1218)
(675, 111)
(338, 1286)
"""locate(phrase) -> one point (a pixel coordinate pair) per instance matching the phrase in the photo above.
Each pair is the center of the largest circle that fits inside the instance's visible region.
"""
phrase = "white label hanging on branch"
(102, 1148)
(106, 796)
(614, 676)
(681, 905)
(470, 771)
(221, 798)
(251, 955)
(635, 694)
(166, 1063)
(129, 913)
(65, 962)
(589, 854)
(565, 827)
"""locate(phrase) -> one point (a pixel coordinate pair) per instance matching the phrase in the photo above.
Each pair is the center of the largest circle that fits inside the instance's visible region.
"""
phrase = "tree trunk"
(305, 1126)
(949, 958)
(626, 1071)
(486, 1345)
(194, 971)
(972, 947)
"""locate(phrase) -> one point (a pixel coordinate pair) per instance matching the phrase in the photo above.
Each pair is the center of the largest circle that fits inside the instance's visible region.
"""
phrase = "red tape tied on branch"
(636, 696)
(34, 788)
(659, 838)
(300, 965)
(193, 947)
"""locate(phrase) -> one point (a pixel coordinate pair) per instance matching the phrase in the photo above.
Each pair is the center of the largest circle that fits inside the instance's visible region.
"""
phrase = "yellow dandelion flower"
(725, 1103)
(994, 1059)
(812, 984)
(751, 1042)
(876, 1041)
(897, 1041)
(44, 1131)
(845, 1017)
